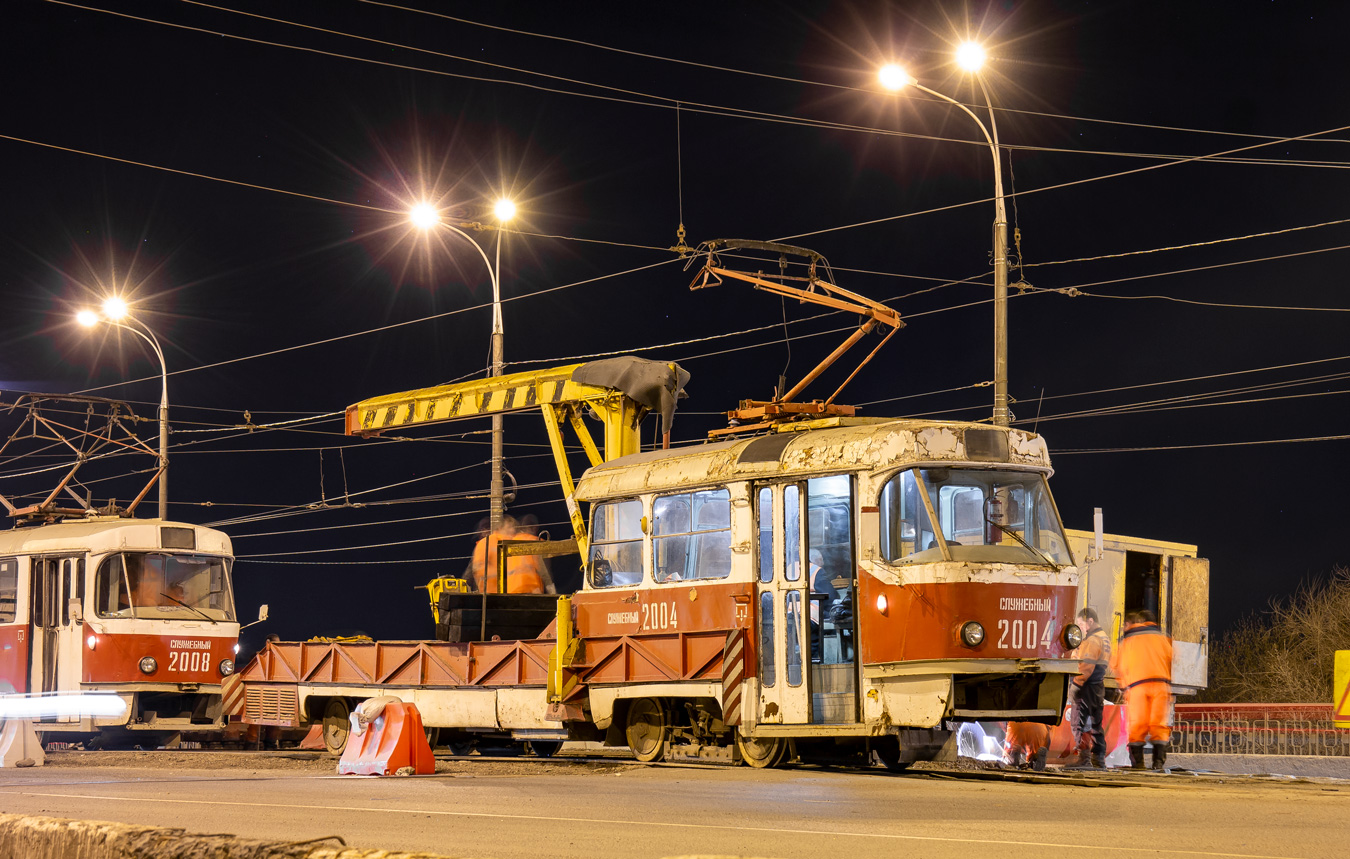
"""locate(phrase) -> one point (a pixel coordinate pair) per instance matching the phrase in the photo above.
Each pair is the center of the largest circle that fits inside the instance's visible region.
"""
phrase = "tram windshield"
(150, 584)
(988, 516)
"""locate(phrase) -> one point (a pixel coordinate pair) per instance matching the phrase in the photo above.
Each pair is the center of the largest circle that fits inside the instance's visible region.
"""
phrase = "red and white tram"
(873, 579)
(140, 610)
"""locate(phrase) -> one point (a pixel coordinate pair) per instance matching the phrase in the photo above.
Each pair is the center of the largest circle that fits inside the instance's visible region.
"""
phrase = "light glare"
(424, 216)
(970, 56)
(505, 209)
(114, 308)
(54, 706)
(87, 318)
(894, 78)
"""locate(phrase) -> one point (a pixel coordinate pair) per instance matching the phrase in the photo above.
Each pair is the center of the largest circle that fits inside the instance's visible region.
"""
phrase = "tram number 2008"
(659, 615)
(1017, 634)
(189, 660)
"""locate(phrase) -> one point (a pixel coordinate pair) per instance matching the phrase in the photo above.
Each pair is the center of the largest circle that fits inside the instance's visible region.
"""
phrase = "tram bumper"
(157, 707)
(926, 693)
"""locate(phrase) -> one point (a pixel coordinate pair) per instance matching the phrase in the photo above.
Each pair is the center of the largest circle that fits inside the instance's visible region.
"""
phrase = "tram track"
(177, 766)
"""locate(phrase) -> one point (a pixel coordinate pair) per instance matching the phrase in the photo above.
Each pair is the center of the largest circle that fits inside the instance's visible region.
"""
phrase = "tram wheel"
(433, 736)
(887, 750)
(647, 728)
(543, 748)
(762, 752)
(336, 725)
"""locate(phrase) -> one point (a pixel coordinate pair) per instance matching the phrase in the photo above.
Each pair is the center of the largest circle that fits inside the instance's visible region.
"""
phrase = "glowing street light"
(970, 57)
(116, 312)
(426, 217)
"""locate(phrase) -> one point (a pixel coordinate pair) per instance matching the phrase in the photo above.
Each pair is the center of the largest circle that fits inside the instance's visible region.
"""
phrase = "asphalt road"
(598, 811)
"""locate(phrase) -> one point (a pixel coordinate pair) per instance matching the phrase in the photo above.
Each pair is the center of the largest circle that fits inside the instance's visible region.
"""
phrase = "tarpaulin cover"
(654, 384)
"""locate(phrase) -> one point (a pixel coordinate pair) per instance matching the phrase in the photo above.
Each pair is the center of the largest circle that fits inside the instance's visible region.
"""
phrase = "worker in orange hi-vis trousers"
(1143, 666)
(1026, 744)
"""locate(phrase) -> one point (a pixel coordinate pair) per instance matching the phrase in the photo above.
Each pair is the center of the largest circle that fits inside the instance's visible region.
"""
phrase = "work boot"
(1099, 762)
(1038, 762)
(1159, 756)
(1136, 756)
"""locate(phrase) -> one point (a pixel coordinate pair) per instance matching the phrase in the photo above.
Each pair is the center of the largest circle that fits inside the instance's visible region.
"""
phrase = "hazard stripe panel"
(733, 676)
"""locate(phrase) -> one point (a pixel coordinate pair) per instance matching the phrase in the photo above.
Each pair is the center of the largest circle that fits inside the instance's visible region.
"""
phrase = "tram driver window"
(111, 595)
(616, 544)
(905, 527)
(691, 536)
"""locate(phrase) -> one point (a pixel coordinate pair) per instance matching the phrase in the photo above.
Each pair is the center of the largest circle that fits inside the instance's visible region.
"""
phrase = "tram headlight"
(1073, 635)
(226, 667)
(882, 605)
(148, 665)
(972, 633)
(92, 641)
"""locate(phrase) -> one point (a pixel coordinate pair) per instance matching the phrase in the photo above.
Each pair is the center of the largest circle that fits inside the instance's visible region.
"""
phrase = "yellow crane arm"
(552, 392)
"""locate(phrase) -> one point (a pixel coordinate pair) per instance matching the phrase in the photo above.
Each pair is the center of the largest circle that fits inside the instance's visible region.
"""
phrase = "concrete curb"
(56, 838)
(1299, 766)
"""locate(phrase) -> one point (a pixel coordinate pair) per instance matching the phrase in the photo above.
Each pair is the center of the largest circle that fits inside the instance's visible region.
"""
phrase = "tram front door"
(804, 608)
(55, 635)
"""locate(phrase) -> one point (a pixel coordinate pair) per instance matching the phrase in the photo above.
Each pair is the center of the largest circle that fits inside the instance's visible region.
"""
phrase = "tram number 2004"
(659, 615)
(1017, 634)
(189, 660)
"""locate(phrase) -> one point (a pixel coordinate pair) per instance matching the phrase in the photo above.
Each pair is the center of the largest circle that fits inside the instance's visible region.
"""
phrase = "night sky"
(1194, 388)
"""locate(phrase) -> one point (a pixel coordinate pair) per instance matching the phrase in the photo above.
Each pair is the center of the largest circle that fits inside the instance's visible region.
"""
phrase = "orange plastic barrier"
(393, 741)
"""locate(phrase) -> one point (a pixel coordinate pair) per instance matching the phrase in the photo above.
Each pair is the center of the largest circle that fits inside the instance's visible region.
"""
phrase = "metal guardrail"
(1258, 729)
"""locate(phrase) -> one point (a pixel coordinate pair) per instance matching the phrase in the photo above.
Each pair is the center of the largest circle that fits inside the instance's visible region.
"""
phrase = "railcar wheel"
(336, 725)
(648, 726)
(762, 752)
(888, 752)
(433, 736)
(543, 748)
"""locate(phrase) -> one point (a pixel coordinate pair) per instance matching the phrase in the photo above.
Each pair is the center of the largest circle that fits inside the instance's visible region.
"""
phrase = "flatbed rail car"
(835, 584)
(139, 609)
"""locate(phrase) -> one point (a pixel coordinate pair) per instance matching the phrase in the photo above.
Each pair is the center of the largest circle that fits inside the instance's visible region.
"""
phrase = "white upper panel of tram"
(827, 446)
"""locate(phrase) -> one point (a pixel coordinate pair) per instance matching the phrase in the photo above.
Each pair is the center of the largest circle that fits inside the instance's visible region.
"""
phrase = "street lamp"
(970, 57)
(116, 312)
(426, 217)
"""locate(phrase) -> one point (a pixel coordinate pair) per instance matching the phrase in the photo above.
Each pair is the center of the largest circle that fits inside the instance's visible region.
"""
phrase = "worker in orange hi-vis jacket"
(1087, 691)
(1143, 666)
(524, 574)
(1026, 744)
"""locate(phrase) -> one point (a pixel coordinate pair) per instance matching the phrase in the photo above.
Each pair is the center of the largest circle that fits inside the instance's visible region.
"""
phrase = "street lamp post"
(115, 312)
(426, 217)
(971, 57)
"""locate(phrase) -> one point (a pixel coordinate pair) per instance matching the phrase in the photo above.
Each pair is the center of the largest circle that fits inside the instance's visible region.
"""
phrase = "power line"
(1215, 444)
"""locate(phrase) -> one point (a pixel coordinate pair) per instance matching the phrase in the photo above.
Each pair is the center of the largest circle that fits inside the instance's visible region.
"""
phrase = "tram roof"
(817, 447)
(107, 534)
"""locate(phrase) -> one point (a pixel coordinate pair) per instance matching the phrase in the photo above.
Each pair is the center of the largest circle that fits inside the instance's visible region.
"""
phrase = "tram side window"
(9, 589)
(616, 544)
(691, 536)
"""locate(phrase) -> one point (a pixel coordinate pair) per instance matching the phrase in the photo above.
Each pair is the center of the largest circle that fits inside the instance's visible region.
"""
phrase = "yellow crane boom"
(619, 391)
